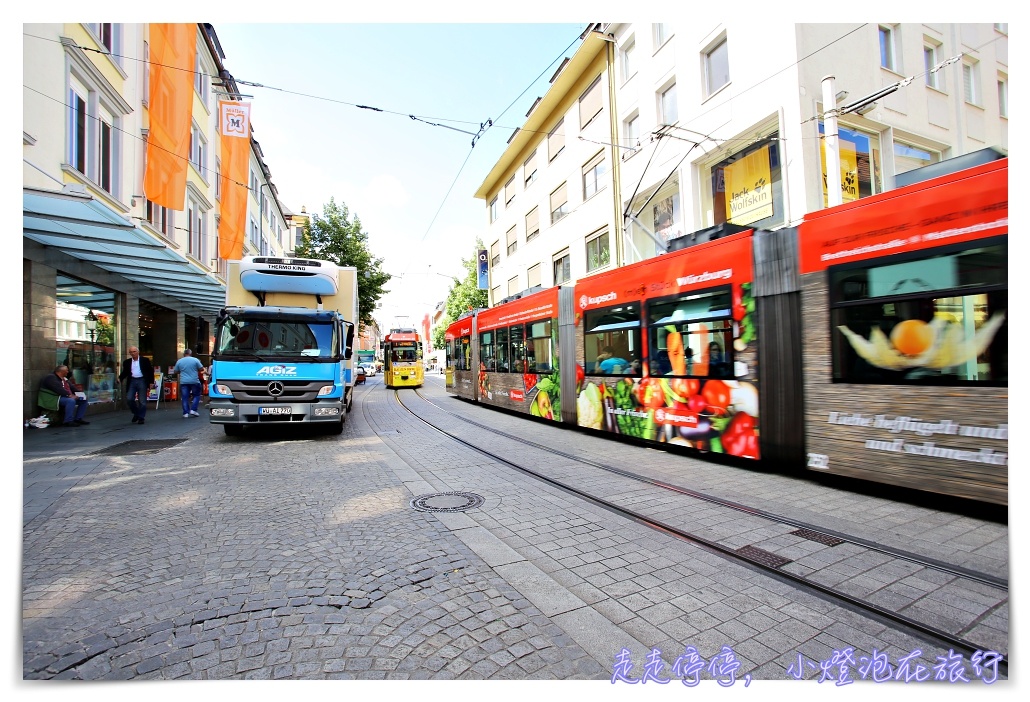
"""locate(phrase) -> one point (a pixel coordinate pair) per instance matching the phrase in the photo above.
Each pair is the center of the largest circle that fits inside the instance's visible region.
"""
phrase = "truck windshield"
(252, 338)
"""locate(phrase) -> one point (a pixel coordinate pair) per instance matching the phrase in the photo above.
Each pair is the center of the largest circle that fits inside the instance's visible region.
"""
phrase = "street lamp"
(91, 327)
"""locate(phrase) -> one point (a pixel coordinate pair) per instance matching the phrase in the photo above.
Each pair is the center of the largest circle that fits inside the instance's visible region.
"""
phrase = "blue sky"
(391, 171)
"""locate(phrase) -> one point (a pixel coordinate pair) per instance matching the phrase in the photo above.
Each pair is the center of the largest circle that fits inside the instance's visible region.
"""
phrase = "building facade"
(93, 244)
(653, 133)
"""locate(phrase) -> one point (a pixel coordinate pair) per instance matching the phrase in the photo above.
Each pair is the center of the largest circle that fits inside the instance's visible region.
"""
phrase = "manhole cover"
(447, 502)
(762, 556)
(818, 537)
(137, 447)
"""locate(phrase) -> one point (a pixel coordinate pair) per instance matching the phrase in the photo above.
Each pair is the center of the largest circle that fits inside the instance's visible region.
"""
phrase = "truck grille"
(257, 390)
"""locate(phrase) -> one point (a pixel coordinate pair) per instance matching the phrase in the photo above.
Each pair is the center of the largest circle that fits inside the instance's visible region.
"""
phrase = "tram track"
(990, 591)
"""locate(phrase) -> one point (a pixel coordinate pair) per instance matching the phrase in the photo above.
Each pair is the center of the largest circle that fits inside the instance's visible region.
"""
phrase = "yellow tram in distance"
(402, 359)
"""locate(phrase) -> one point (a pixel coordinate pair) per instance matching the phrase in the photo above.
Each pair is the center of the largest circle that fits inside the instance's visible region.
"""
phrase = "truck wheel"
(336, 427)
(233, 429)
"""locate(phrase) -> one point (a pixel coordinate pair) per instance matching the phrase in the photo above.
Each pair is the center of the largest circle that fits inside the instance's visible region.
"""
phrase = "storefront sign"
(848, 171)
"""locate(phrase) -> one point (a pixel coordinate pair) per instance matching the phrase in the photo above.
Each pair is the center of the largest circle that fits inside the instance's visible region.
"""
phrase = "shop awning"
(90, 231)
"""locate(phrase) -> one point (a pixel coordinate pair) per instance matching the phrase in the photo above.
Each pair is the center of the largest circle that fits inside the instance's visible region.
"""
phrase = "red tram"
(870, 342)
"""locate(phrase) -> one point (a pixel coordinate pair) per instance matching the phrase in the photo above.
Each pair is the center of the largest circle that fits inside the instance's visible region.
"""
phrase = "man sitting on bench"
(73, 406)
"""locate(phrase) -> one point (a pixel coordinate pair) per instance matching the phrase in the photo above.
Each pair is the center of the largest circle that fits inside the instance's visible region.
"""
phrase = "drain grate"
(817, 537)
(446, 502)
(762, 556)
(137, 447)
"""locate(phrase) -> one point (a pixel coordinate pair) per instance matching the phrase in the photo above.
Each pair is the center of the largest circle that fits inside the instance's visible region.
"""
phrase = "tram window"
(613, 333)
(938, 320)
(464, 359)
(692, 335)
(517, 340)
(486, 351)
(538, 347)
(501, 350)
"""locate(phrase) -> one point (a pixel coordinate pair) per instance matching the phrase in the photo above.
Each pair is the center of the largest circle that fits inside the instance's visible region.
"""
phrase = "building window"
(933, 78)
(533, 276)
(631, 134)
(77, 132)
(556, 140)
(667, 105)
(512, 238)
(888, 50)
(562, 268)
(509, 191)
(662, 32)
(198, 151)
(559, 204)
(160, 218)
(105, 162)
(598, 254)
(513, 286)
(495, 294)
(532, 224)
(971, 82)
(717, 68)
(1003, 96)
(298, 234)
(529, 169)
(200, 80)
(908, 157)
(954, 293)
(626, 61)
(592, 172)
(253, 232)
(195, 244)
(493, 209)
(590, 103)
(495, 254)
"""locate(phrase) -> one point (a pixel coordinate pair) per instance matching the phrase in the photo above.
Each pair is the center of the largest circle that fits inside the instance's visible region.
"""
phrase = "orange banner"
(234, 128)
(173, 49)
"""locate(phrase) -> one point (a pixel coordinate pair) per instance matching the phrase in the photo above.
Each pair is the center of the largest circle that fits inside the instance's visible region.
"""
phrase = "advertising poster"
(748, 184)
(101, 387)
(155, 390)
(667, 223)
(848, 170)
(483, 268)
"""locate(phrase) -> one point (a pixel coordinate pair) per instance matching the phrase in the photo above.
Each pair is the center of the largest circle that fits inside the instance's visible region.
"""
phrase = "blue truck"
(283, 345)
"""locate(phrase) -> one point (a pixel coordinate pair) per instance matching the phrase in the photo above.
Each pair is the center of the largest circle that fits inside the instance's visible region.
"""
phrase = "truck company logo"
(585, 301)
(286, 267)
(277, 370)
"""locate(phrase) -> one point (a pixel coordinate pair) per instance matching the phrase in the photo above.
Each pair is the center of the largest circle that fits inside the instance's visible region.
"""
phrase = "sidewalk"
(55, 459)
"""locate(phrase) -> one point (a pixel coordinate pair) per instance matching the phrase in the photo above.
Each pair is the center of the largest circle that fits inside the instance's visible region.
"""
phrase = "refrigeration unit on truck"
(283, 344)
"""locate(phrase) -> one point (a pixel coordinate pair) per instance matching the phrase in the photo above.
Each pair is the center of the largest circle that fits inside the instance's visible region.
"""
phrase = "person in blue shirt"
(189, 370)
(610, 364)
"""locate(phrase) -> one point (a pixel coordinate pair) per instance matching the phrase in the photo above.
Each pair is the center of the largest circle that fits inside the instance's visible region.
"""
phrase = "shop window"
(86, 326)
(860, 164)
(935, 319)
(691, 335)
(908, 157)
(746, 187)
(612, 340)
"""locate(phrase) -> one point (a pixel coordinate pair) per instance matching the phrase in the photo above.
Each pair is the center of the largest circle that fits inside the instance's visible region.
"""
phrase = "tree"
(463, 296)
(334, 236)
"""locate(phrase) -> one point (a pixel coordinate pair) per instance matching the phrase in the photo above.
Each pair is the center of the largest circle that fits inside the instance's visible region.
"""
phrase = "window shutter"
(590, 103)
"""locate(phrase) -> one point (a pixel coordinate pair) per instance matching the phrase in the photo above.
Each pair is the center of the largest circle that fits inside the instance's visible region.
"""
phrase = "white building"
(647, 126)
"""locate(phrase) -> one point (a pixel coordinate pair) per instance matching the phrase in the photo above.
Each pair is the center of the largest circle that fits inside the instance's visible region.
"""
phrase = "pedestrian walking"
(139, 374)
(190, 370)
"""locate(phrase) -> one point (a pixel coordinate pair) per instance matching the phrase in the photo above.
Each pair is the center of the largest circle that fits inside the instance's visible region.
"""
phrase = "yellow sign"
(848, 170)
(749, 195)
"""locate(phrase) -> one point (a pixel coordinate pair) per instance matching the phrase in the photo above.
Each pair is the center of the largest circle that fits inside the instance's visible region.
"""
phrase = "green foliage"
(463, 296)
(335, 236)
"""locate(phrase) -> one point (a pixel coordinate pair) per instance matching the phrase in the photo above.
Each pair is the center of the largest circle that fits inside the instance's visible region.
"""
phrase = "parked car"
(370, 369)
(359, 375)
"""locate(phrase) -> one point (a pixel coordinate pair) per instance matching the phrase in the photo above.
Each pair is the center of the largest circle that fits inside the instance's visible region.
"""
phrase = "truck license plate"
(275, 410)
